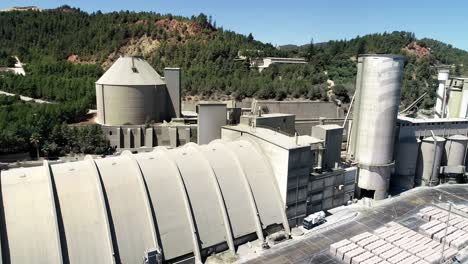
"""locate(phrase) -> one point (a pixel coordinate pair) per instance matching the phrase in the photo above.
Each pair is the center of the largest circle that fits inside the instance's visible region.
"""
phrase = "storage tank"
(131, 92)
(442, 77)
(378, 107)
(464, 104)
(351, 152)
(455, 150)
(406, 158)
(430, 157)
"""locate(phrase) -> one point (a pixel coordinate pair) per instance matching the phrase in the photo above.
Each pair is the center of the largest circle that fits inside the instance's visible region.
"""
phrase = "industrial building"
(452, 96)
(131, 92)
(268, 61)
(135, 106)
(250, 179)
(176, 204)
(430, 151)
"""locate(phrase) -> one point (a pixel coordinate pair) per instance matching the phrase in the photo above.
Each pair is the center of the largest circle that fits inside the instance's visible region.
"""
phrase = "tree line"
(215, 61)
(207, 54)
(43, 129)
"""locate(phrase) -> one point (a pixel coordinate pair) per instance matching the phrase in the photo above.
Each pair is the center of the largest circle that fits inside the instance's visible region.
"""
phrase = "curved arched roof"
(116, 209)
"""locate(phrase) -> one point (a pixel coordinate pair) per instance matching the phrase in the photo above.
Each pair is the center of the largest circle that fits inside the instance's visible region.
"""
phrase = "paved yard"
(315, 247)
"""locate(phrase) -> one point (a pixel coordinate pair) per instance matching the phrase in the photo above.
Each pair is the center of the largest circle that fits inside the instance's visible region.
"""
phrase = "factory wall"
(131, 105)
(281, 122)
(173, 79)
(211, 117)
(143, 137)
(331, 189)
(302, 109)
(409, 127)
(299, 168)
(179, 204)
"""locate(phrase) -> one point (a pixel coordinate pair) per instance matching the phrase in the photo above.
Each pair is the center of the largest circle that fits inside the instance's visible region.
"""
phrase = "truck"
(314, 220)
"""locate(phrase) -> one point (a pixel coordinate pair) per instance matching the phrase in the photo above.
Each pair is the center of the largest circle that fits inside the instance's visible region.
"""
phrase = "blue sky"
(296, 22)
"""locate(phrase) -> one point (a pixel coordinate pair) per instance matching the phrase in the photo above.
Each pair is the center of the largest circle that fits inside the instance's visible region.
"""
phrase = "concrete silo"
(464, 104)
(131, 92)
(378, 108)
(441, 99)
(351, 152)
(453, 159)
(430, 157)
(406, 157)
(455, 150)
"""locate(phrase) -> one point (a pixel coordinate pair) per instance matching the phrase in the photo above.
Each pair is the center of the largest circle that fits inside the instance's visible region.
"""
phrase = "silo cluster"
(379, 85)
(430, 161)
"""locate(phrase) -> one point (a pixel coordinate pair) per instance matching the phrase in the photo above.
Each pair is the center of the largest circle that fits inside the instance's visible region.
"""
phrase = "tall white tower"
(441, 102)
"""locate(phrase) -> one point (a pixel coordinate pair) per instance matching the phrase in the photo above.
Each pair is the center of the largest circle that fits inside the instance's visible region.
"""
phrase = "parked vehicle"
(314, 220)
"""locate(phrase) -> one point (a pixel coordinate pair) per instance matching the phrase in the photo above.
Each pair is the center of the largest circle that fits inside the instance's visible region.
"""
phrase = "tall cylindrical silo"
(378, 107)
(129, 93)
(351, 151)
(455, 150)
(464, 104)
(429, 161)
(441, 99)
(406, 158)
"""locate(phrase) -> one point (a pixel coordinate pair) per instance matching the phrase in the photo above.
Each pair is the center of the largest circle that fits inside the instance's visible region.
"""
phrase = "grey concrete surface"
(314, 249)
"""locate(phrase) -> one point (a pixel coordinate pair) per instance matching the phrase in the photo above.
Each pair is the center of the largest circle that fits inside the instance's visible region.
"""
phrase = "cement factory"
(190, 183)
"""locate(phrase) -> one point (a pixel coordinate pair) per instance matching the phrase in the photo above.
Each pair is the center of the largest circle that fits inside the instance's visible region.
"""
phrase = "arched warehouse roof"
(181, 202)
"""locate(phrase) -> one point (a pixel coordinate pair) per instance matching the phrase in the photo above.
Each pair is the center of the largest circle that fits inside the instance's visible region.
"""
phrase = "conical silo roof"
(435, 138)
(458, 138)
(129, 71)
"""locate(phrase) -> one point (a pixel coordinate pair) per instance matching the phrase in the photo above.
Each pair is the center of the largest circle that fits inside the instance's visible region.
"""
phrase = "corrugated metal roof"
(131, 71)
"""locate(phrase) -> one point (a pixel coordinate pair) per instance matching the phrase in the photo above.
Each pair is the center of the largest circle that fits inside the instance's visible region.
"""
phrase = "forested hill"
(47, 41)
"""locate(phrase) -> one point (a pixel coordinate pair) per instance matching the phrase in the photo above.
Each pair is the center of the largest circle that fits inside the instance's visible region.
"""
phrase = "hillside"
(65, 51)
(206, 53)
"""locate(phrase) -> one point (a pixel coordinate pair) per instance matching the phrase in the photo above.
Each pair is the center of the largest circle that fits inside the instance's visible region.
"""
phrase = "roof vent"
(134, 69)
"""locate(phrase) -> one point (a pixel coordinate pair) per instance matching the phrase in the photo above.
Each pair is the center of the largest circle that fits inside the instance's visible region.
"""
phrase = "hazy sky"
(297, 21)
